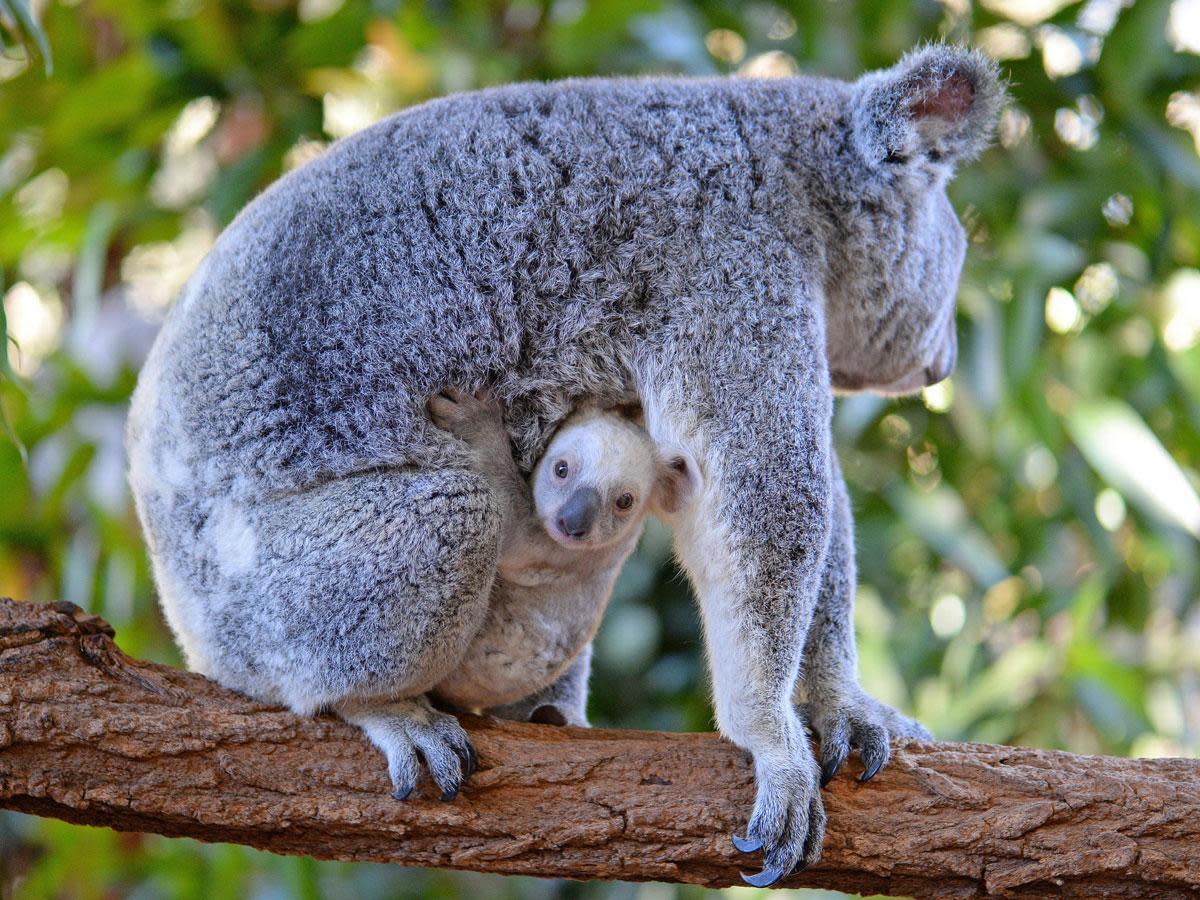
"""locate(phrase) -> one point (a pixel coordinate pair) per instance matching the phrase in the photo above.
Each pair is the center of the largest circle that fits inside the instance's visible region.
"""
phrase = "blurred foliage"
(1027, 532)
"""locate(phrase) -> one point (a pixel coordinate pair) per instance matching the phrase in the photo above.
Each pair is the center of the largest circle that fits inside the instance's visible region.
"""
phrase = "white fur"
(233, 540)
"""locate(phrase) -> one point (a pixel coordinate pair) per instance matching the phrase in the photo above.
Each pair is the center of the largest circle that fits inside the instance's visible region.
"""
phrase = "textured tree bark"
(91, 736)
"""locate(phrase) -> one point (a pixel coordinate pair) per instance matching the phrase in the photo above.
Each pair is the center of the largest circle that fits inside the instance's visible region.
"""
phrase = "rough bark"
(92, 736)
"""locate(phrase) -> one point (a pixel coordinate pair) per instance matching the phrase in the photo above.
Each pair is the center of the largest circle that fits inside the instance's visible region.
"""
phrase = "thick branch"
(91, 736)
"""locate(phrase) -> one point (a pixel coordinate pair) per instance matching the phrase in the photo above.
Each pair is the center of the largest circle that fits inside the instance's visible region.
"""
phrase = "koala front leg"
(562, 703)
(841, 713)
(750, 405)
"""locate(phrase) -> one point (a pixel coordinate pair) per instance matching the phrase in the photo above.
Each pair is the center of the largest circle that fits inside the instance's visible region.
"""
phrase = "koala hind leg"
(402, 729)
(367, 589)
(562, 703)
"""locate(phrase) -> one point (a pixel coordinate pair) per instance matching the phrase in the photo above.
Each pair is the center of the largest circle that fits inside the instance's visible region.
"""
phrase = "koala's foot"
(542, 712)
(859, 721)
(476, 419)
(403, 729)
(788, 822)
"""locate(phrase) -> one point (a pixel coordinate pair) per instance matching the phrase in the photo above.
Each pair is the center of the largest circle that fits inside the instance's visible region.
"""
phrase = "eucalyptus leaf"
(940, 517)
(1126, 453)
(19, 10)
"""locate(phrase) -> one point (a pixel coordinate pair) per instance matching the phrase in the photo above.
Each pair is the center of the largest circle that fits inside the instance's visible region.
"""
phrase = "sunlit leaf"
(1126, 453)
(941, 519)
(89, 268)
(19, 10)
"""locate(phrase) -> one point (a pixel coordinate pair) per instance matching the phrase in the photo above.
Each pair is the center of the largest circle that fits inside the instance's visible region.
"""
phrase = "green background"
(1027, 537)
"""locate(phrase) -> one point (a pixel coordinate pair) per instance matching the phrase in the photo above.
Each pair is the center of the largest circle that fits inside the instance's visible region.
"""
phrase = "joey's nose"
(577, 515)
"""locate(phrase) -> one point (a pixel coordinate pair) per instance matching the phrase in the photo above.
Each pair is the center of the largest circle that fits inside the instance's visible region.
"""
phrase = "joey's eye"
(560, 468)
(625, 501)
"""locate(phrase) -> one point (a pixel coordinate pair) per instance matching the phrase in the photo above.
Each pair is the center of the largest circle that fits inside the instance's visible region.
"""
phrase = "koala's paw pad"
(464, 414)
(862, 723)
(543, 712)
(548, 714)
(409, 731)
(788, 822)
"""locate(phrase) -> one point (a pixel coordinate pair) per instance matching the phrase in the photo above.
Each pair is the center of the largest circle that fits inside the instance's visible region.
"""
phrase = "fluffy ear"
(676, 482)
(631, 410)
(939, 104)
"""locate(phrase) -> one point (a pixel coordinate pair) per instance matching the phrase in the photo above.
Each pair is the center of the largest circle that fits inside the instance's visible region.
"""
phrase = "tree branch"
(91, 736)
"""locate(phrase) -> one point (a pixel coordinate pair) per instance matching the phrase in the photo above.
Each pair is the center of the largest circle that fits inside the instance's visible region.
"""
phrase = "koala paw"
(403, 729)
(859, 722)
(472, 418)
(788, 822)
(542, 713)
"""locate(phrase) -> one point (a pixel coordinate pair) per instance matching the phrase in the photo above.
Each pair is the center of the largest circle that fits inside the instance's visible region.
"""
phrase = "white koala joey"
(567, 531)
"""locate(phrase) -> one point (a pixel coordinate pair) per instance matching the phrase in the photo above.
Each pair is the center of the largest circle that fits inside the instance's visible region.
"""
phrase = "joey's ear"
(938, 104)
(676, 482)
(631, 410)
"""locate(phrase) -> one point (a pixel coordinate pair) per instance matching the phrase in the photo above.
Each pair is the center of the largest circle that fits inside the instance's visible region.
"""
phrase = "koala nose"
(936, 373)
(578, 514)
(943, 367)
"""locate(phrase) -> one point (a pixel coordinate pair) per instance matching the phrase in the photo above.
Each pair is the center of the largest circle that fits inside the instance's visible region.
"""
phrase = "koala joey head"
(896, 247)
(599, 477)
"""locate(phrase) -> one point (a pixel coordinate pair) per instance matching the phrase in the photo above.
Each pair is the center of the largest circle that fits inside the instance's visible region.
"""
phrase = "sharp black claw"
(828, 770)
(747, 844)
(401, 793)
(449, 795)
(765, 878)
(872, 770)
(466, 756)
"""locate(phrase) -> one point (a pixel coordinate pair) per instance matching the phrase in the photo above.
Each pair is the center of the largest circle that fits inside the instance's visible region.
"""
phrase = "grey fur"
(727, 250)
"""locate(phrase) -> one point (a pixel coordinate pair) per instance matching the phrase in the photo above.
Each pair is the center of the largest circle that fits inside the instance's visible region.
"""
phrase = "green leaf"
(1125, 453)
(89, 268)
(940, 518)
(19, 10)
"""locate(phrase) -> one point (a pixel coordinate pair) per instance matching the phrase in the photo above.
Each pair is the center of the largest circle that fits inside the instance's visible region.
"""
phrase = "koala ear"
(631, 410)
(938, 104)
(676, 482)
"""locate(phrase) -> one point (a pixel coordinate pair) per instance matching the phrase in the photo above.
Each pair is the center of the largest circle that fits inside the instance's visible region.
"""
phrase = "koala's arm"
(745, 391)
(841, 713)
(478, 420)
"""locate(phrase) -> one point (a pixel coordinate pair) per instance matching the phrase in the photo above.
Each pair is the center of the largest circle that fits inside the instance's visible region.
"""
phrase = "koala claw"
(409, 730)
(872, 769)
(861, 723)
(763, 879)
(788, 822)
(746, 845)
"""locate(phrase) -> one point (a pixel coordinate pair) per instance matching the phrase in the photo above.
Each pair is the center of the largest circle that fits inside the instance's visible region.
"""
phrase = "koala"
(730, 251)
(566, 534)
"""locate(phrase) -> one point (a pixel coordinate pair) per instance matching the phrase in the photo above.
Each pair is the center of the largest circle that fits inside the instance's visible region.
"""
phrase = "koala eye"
(625, 501)
(561, 468)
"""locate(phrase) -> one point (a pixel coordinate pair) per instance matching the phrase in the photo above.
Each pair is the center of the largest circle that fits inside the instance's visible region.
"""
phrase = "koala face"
(896, 249)
(598, 478)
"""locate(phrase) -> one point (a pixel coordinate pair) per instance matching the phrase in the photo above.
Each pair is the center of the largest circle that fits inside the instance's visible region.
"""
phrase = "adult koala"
(728, 250)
